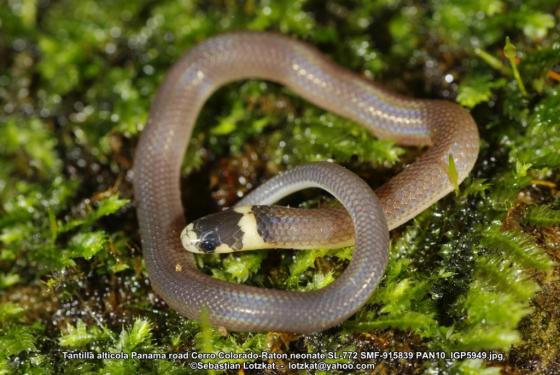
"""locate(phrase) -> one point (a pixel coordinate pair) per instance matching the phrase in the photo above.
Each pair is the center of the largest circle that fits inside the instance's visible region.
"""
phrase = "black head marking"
(217, 229)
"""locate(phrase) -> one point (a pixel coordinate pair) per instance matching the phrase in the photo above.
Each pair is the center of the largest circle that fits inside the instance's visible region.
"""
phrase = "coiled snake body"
(449, 131)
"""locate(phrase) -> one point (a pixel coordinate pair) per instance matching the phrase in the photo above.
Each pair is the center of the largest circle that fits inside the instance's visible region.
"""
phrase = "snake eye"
(208, 244)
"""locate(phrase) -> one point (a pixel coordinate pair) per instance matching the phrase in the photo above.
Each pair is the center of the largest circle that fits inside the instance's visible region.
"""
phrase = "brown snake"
(444, 126)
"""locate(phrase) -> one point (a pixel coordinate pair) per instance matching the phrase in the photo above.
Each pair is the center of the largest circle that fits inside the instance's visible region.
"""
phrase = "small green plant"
(76, 83)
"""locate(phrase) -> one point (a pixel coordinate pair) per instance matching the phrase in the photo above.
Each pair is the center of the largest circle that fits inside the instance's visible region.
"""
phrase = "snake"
(446, 130)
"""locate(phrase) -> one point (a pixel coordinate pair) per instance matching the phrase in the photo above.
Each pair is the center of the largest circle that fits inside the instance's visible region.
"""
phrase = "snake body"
(449, 131)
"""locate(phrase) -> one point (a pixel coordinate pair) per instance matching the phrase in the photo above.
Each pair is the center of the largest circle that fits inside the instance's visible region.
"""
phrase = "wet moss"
(475, 272)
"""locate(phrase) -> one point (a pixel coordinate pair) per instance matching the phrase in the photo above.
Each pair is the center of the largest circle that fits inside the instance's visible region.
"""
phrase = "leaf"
(518, 246)
(8, 279)
(319, 281)
(423, 324)
(542, 216)
(480, 338)
(139, 334)
(240, 267)
(79, 335)
(9, 311)
(109, 206)
(86, 245)
(104, 208)
(452, 174)
(536, 24)
(511, 53)
(16, 339)
(505, 276)
(302, 261)
(478, 89)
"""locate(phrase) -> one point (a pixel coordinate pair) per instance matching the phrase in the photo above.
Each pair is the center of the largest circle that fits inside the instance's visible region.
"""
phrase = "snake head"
(214, 234)
(203, 243)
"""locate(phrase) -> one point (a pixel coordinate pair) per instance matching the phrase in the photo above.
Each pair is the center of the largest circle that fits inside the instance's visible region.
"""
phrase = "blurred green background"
(476, 272)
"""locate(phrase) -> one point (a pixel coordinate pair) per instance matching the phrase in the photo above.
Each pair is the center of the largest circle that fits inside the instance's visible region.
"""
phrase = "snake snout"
(190, 239)
(200, 242)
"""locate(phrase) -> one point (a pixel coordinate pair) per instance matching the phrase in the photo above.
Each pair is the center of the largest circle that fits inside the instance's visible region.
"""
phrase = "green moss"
(76, 82)
(78, 336)
(517, 246)
(478, 89)
(491, 319)
(542, 216)
(540, 144)
(237, 268)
